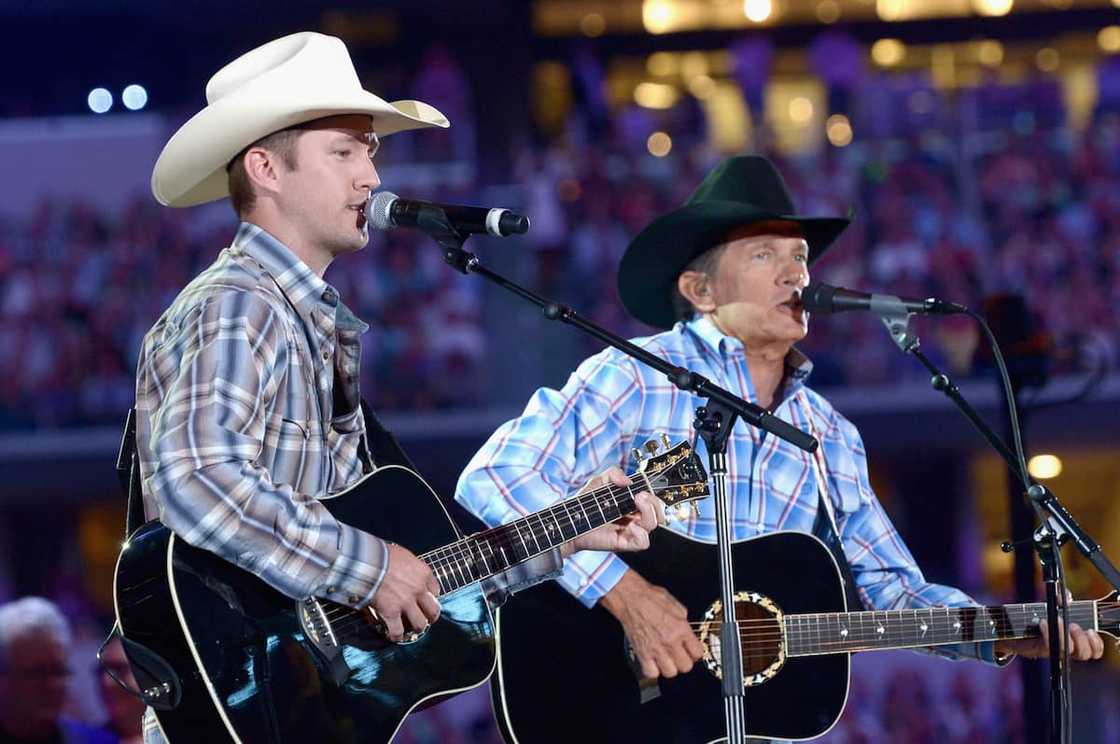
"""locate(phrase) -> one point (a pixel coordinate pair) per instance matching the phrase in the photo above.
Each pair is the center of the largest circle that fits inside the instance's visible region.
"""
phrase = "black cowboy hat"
(740, 191)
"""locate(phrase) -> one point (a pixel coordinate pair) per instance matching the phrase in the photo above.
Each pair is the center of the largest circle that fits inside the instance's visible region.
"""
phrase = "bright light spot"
(1109, 39)
(693, 64)
(890, 10)
(888, 52)
(592, 25)
(661, 64)
(993, 7)
(757, 10)
(1116, 3)
(134, 97)
(100, 100)
(1044, 466)
(658, 16)
(701, 86)
(126, 545)
(801, 110)
(659, 144)
(990, 53)
(828, 11)
(1048, 59)
(839, 130)
(655, 95)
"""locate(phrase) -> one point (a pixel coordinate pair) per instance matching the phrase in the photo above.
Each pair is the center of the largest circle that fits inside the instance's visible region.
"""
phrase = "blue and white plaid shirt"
(612, 404)
(235, 428)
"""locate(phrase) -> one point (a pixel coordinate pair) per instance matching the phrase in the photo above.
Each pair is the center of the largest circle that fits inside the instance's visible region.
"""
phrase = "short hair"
(22, 617)
(705, 263)
(241, 194)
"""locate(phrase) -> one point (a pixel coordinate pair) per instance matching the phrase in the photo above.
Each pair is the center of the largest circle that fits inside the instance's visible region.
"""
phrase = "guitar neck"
(872, 630)
(484, 554)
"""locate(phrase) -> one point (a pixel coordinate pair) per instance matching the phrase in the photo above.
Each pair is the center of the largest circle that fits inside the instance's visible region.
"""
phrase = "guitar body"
(247, 669)
(564, 673)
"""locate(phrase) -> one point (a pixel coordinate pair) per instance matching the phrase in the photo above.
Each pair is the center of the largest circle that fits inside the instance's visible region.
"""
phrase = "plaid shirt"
(612, 404)
(235, 428)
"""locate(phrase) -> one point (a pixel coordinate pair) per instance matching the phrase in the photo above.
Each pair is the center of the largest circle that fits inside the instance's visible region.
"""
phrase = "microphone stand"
(714, 421)
(1056, 523)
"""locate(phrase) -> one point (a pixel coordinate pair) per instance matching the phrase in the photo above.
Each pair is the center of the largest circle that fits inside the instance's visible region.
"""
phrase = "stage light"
(839, 130)
(655, 95)
(828, 11)
(592, 25)
(990, 53)
(658, 16)
(757, 10)
(993, 7)
(134, 97)
(659, 144)
(801, 110)
(888, 52)
(661, 64)
(890, 10)
(99, 100)
(1045, 466)
(701, 86)
(1048, 59)
(1109, 39)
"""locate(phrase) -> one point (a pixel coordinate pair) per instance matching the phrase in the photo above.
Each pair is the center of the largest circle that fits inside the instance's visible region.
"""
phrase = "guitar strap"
(824, 527)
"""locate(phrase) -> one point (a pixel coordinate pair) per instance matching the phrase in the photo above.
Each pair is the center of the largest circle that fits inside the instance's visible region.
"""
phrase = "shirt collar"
(306, 290)
(728, 347)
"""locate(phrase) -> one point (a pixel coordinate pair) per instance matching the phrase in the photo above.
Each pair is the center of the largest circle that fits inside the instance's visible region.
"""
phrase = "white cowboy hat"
(286, 82)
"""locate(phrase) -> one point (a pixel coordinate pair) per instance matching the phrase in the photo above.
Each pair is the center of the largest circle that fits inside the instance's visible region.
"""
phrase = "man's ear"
(262, 167)
(695, 286)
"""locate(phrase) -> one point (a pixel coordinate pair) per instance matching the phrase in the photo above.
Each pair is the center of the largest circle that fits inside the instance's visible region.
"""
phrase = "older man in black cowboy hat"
(724, 275)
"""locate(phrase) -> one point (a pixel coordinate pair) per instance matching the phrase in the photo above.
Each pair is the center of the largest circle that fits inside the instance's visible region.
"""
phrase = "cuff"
(357, 570)
(589, 574)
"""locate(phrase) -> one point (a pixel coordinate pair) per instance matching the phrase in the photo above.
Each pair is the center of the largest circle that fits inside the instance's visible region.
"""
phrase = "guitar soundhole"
(760, 631)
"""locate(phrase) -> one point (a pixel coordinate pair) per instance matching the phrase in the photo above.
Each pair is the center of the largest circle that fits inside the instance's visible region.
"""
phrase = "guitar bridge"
(315, 624)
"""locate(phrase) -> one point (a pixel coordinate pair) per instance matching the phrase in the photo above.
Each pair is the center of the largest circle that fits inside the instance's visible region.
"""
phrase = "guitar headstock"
(675, 473)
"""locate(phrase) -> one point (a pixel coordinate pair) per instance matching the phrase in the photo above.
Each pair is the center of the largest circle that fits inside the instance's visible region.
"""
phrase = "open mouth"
(360, 209)
(793, 306)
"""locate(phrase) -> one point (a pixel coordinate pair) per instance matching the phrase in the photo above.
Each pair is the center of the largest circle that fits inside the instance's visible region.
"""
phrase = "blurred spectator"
(35, 667)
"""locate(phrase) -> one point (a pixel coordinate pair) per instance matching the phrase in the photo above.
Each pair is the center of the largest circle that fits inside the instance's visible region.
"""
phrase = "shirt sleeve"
(886, 575)
(205, 439)
(562, 439)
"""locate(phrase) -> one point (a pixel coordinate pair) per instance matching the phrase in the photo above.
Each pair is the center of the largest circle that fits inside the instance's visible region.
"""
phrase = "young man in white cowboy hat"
(724, 275)
(247, 386)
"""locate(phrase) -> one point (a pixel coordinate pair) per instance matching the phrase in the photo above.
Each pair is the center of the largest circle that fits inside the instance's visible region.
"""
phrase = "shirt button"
(332, 590)
(354, 599)
(326, 356)
(329, 296)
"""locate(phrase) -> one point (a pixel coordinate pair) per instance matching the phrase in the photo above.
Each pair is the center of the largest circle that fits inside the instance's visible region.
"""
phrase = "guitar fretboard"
(485, 554)
(835, 632)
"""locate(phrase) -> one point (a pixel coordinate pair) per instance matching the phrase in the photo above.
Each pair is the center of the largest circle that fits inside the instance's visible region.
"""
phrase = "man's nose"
(369, 179)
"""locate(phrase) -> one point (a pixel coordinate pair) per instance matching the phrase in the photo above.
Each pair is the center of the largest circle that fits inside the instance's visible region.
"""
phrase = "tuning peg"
(675, 513)
(638, 456)
(652, 446)
(665, 441)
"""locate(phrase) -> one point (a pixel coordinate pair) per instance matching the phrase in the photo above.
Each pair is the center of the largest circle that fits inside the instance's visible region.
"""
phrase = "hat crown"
(748, 179)
(294, 63)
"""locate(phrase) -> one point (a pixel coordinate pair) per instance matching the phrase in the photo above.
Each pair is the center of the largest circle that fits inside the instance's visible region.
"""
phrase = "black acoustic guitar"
(565, 673)
(228, 658)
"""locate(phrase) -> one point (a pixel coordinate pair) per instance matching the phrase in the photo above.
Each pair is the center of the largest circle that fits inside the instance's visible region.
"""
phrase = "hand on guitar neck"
(1085, 644)
(656, 625)
(628, 534)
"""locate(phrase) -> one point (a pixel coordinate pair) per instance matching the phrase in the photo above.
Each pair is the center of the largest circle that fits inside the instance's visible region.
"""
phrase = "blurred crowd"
(989, 192)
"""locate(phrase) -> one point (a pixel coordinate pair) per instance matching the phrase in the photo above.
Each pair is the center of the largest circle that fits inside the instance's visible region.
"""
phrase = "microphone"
(386, 210)
(824, 299)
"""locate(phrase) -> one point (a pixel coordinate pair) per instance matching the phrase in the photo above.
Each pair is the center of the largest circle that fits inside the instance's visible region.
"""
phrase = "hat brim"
(648, 272)
(192, 167)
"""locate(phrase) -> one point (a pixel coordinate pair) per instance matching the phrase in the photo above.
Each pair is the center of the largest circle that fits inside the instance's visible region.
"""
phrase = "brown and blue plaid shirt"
(235, 427)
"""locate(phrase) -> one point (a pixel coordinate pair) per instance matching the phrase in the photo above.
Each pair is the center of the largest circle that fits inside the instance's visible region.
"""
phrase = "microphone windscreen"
(817, 298)
(377, 210)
